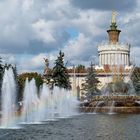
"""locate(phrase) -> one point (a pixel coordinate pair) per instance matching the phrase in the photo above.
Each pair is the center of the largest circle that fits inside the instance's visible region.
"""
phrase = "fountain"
(60, 103)
(36, 106)
(111, 108)
(50, 104)
(117, 96)
(66, 103)
(44, 100)
(8, 99)
(30, 102)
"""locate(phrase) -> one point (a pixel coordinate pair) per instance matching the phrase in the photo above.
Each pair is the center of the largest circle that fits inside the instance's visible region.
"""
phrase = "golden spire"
(113, 19)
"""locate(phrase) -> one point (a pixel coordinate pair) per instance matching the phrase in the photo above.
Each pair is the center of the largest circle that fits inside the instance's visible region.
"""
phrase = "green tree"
(1, 72)
(136, 79)
(91, 83)
(1, 68)
(80, 68)
(59, 73)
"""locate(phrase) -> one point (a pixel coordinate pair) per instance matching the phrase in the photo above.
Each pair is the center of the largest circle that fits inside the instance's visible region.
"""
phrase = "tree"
(1, 72)
(91, 83)
(59, 73)
(1, 68)
(80, 68)
(136, 79)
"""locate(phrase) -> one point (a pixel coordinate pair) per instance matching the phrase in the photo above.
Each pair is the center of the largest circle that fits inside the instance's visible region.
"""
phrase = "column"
(125, 59)
(117, 59)
(100, 59)
(113, 58)
(105, 59)
(121, 58)
(110, 59)
(115, 62)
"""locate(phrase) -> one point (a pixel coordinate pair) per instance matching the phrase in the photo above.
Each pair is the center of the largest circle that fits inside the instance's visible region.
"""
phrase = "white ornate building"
(113, 52)
(114, 59)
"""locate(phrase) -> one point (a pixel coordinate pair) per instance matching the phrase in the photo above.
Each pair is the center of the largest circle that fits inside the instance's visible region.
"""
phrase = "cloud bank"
(33, 29)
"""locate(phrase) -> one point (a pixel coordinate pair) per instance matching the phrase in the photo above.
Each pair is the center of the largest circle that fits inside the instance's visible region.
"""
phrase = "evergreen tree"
(91, 83)
(59, 74)
(1, 68)
(1, 72)
(136, 79)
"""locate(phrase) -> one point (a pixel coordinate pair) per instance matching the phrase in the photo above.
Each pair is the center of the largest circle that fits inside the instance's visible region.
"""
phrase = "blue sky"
(73, 32)
(31, 30)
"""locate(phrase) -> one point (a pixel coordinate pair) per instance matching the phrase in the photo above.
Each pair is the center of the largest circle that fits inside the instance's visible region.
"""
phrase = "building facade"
(114, 60)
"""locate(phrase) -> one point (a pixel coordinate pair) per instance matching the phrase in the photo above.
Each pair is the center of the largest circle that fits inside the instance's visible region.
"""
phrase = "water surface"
(83, 127)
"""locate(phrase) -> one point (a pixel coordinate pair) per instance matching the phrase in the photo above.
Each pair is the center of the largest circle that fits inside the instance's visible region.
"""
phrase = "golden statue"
(113, 20)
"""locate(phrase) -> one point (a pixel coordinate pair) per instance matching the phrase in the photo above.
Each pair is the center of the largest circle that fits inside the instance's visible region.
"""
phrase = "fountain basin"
(115, 98)
(123, 110)
(112, 104)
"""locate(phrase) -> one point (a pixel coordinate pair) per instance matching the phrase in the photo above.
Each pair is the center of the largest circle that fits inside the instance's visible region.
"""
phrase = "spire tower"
(113, 32)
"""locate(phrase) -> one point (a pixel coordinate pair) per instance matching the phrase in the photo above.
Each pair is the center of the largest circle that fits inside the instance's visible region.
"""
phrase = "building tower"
(114, 52)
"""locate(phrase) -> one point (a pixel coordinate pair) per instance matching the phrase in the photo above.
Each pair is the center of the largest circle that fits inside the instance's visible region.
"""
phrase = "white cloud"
(31, 63)
(79, 50)
(27, 4)
(32, 29)
(44, 30)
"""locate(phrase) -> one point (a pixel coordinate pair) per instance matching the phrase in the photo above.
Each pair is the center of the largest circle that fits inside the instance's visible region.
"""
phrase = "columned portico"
(116, 55)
